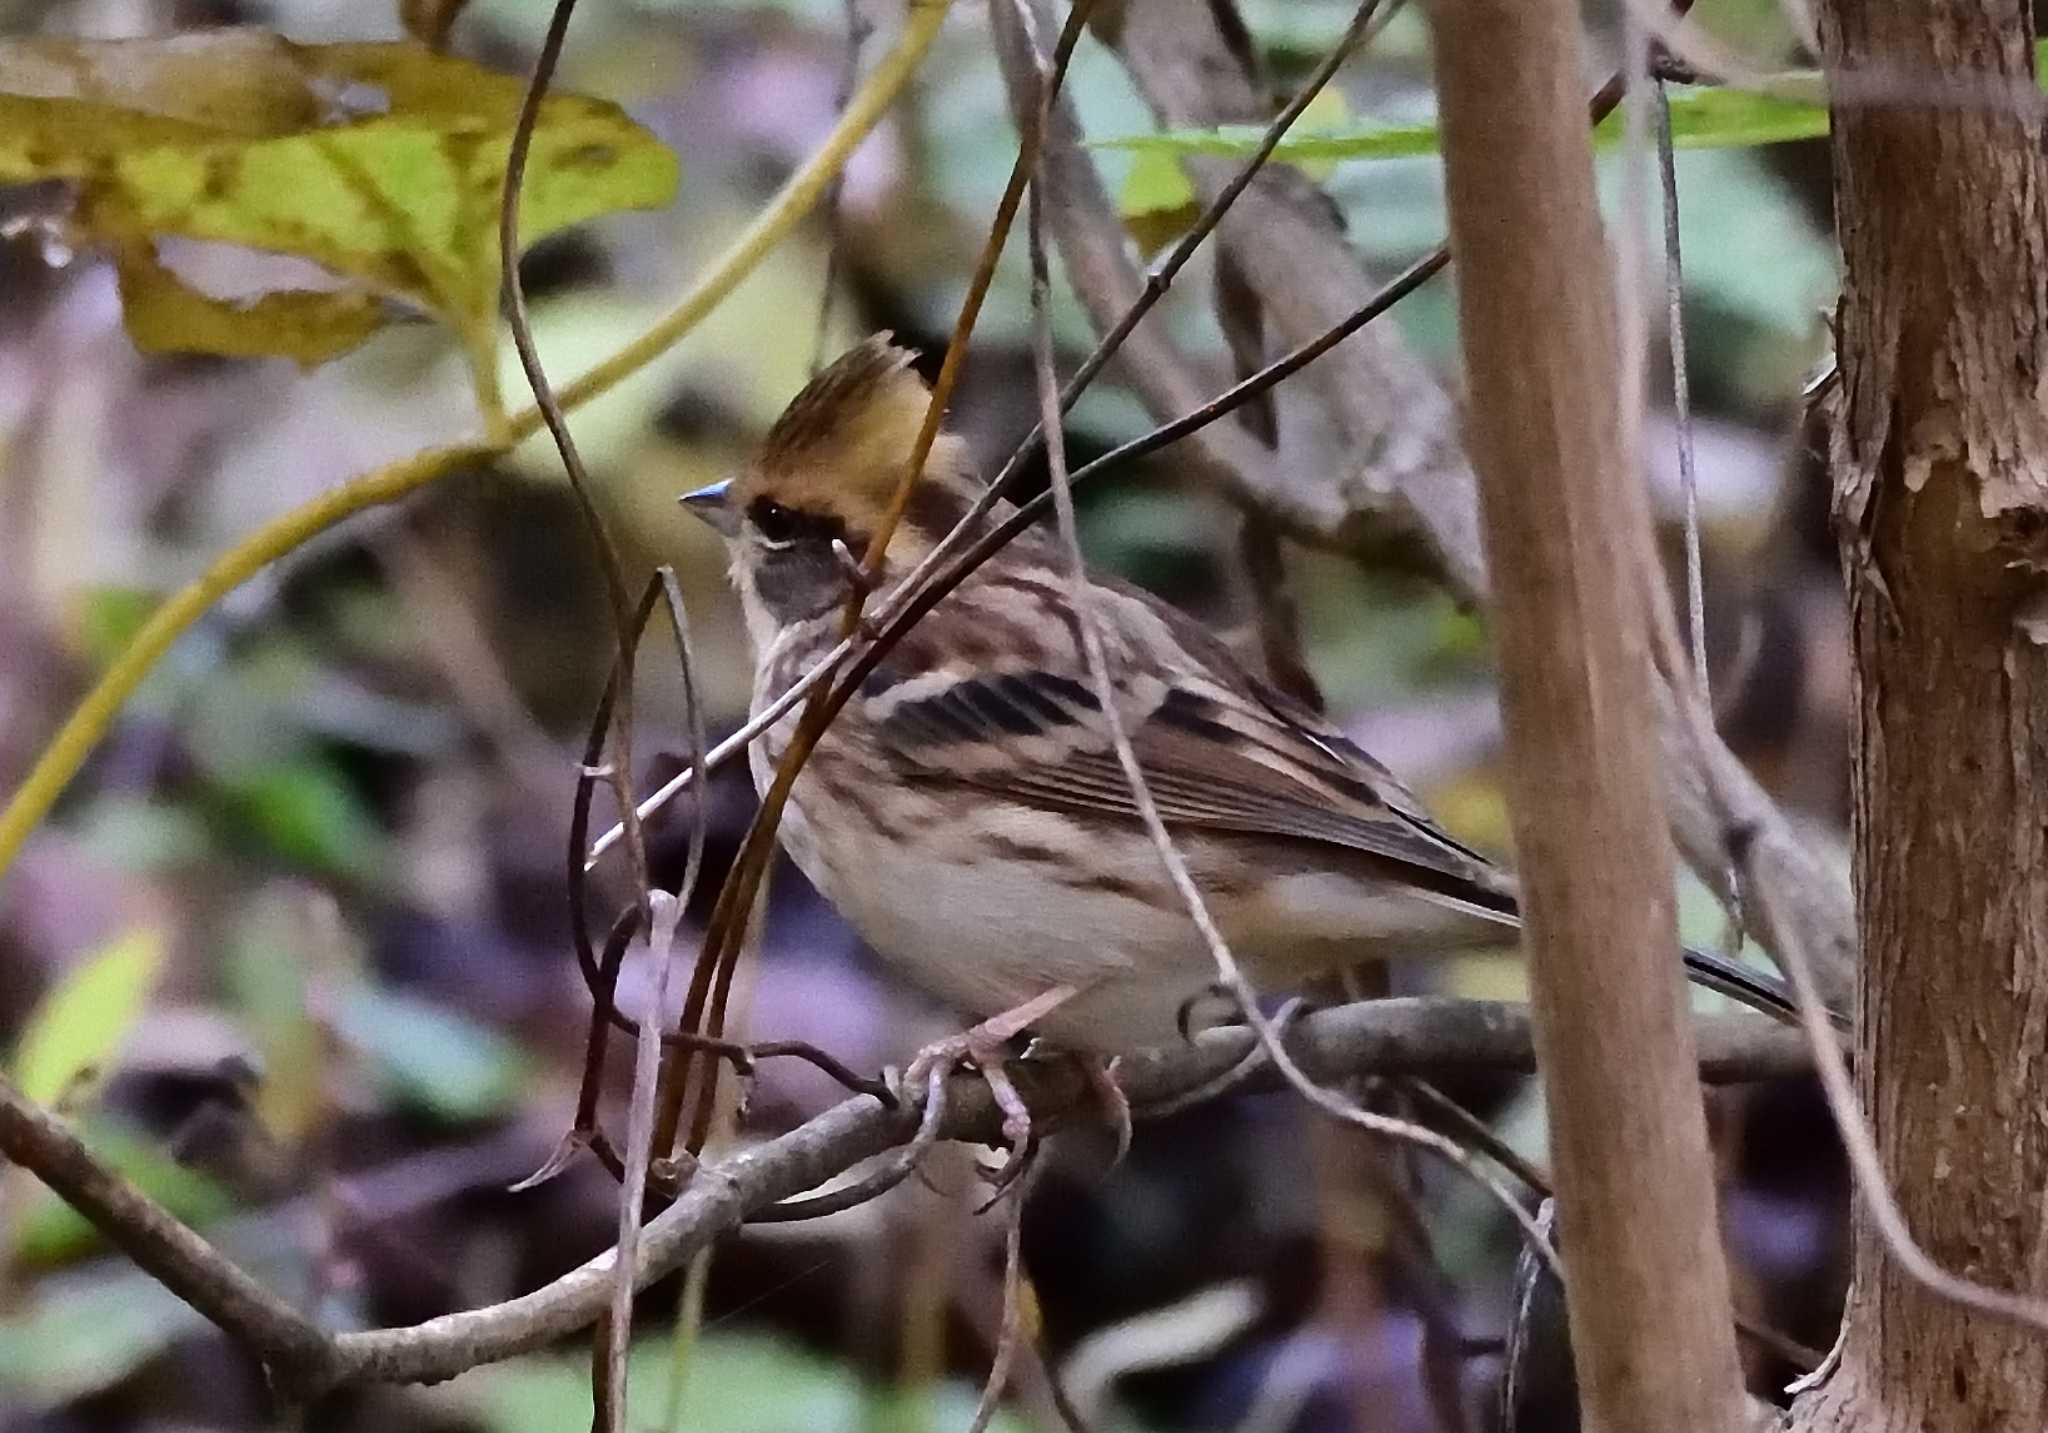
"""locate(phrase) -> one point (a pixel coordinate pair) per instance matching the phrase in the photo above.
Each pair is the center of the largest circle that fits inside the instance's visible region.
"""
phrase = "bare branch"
(625, 630)
(163, 1247)
(1400, 1036)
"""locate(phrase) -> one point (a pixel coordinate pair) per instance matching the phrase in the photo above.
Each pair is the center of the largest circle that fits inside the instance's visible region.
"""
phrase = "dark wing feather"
(1209, 774)
(1219, 752)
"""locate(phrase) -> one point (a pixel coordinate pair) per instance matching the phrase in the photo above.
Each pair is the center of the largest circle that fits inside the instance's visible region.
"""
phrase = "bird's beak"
(714, 504)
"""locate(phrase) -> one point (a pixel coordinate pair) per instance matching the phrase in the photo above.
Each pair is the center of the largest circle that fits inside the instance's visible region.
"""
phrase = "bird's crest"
(840, 448)
(859, 417)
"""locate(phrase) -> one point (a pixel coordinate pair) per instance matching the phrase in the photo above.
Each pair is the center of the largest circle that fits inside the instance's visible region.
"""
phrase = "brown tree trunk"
(1940, 466)
(1645, 1285)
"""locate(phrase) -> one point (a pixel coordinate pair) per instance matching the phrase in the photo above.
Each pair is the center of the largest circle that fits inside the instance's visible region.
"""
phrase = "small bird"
(966, 811)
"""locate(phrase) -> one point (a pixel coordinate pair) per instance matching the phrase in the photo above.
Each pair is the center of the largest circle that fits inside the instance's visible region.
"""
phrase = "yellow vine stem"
(802, 191)
(67, 751)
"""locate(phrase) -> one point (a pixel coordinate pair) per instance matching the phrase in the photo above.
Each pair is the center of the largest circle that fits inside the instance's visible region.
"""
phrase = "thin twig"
(711, 982)
(1688, 467)
(693, 721)
(1010, 1335)
(617, 1327)
(1681, 392)
(1234, 1078)
(878, 1181)
(589, 771)
(667, 912)
(1480, 1135)
(621, 604)
(858, 29)
(731, 747)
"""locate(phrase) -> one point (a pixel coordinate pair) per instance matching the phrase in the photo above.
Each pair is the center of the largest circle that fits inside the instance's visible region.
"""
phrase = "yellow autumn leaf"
(383, 163)
(80, 1025)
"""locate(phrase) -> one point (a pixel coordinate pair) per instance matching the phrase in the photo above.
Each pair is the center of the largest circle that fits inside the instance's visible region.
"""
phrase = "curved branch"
(1375, 1037)
(161, 1245)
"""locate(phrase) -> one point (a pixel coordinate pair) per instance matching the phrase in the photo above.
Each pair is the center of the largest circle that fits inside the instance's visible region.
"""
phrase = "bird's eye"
(776, 523)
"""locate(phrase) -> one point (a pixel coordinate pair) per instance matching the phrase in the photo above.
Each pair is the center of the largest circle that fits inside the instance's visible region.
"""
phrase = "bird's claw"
(986, 1046)
(985, 1051)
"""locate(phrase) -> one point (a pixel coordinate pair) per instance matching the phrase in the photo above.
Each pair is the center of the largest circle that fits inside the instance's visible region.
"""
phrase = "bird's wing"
(1220, 751)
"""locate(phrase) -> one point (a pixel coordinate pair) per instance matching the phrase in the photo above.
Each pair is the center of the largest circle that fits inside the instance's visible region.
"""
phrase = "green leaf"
(164, 314)
(383, 163)
(1157, 201)
(1156, 185)
(80, 1025)
(304, 811)
(432, 1057)
(1716, 117)
(1702, 117)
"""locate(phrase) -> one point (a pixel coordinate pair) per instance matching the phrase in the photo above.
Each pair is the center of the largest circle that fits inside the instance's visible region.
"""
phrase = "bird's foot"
(986, 1046)
(1116, 1105)
(1250, 1063)
(1218, 993)
(1099, 1072)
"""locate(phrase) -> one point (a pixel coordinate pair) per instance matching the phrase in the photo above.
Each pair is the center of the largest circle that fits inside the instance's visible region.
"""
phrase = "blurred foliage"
(430, 1058)
(82, 1339)
(51, 1232)
(735, 1383)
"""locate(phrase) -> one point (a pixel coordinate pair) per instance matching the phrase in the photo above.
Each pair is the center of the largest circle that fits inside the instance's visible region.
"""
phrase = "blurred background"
(315, 872)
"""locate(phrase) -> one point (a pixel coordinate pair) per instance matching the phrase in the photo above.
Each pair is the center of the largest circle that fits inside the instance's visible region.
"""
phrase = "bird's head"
(826, 474)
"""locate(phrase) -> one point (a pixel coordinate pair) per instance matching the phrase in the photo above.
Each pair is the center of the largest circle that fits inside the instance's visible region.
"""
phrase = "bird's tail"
(1743, 983)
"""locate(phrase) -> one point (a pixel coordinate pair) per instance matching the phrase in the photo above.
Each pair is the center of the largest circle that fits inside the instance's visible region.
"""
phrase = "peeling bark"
(1940, 467)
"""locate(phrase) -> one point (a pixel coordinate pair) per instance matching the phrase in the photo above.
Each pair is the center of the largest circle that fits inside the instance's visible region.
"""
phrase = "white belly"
(987, 936)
